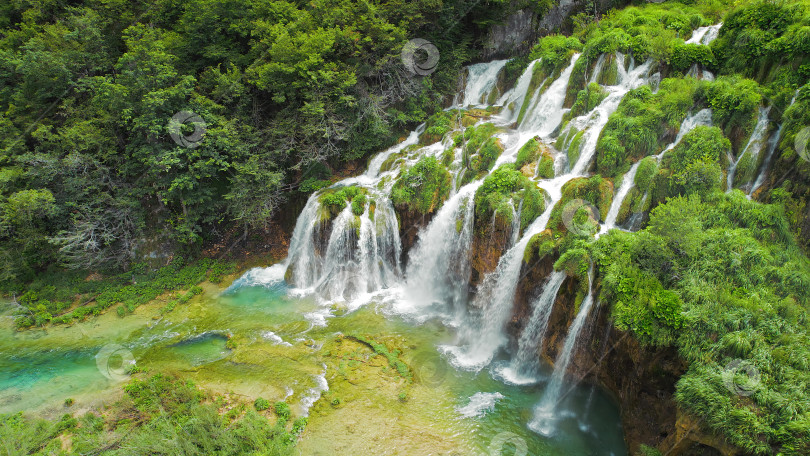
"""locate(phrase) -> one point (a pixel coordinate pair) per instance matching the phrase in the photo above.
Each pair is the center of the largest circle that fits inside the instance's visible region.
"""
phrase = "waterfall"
(525, 365)
(634, 221)
(546, 110)
(439, 266)
(773, 142)
(702, 117)
(753, 147)
(362, 254)
(482, 335)
(772, 145)
(704, 35)
(481, 80)
(543, 421)
(595, 121)
(600, 62)
(513, 100)
(627, 183)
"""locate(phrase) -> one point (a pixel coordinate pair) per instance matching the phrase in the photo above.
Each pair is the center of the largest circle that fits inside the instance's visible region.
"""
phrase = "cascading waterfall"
(481, 80)
(600, 62)
(513, 100)
(543, 421)
(362, 254)
(482, 335)
(753, 148)
(545, 111)
(625, 187)
(439, 266)
(704, 35)
(772, 144)
(525, 365)
(596, 120)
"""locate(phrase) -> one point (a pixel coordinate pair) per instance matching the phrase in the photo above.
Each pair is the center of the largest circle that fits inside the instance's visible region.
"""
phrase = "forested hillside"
(287, 91)
(634, 185)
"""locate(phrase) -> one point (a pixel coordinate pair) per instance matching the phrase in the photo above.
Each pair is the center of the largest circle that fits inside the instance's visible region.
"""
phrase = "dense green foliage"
(481, 150)
(334, 200)
(51, 297)
(506, 193)
(534, 159)
(639, 127)
(721, 279)
(423, 187)
(158, 416)
(286, 90)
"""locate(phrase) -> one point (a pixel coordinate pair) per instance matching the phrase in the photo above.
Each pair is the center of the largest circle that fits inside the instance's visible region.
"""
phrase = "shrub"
(423, 187)
(501, 195)
(261, 404)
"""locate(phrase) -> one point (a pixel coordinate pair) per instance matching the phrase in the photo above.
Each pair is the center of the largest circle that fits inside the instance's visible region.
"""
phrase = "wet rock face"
(516, 35)
(410, 224)
(490, 240)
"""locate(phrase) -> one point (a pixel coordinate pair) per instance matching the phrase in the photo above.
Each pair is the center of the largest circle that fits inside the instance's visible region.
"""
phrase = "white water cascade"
(772, 144)
(361, 255)
(481, 80)
(513, 100)
(482, 335)
(704, 35)
(439, 267)
(525, 365)
(594, 121)
(544, 417)
(753, 147)
(627, 184)
(545, 111)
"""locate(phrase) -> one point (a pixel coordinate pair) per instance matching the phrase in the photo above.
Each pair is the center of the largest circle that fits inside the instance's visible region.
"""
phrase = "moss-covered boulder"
(423, 187)
(480, 151)
(584, 204)
(504, 195)
(587, 99)
(535, 159)
(417, 195)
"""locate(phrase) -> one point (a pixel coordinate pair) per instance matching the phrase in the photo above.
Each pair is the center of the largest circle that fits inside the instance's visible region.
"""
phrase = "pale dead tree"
(98, 238)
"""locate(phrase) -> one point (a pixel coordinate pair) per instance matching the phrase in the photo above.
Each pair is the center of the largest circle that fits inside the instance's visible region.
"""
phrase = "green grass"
(160, 415)
(721, 278)
(48, 298)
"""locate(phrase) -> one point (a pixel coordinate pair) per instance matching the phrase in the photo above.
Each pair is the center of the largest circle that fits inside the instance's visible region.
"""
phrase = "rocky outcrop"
(516, 35)
(410, 224)
(490, 240)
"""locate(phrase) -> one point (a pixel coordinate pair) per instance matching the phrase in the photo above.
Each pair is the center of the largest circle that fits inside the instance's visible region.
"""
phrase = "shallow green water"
(279, 354)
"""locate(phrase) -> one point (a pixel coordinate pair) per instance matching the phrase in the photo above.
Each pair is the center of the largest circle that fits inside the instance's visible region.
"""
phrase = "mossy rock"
(334, 200)
(423, 187)
(503, 192)
(587, 99)
(592, 191)
(610, 71)
(535, 159)
(540, 245)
